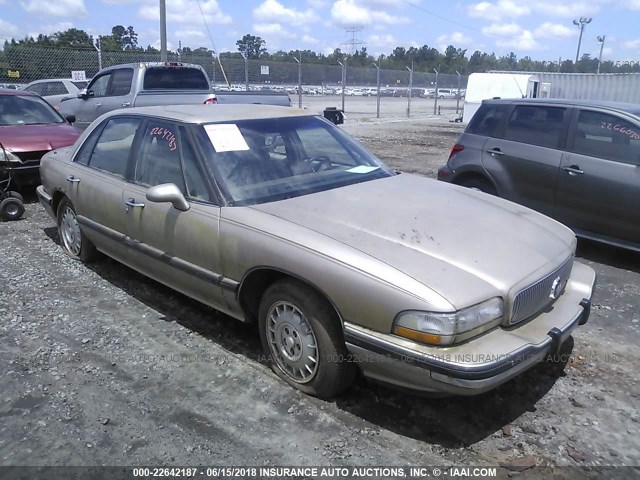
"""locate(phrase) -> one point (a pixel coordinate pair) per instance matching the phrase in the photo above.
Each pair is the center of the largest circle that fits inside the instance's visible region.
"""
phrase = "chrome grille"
(537, 296)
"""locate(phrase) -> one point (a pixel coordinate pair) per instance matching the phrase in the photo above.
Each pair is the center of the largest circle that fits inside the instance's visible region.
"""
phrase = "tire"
(296, 323)
(14, 194)
(74, 243)
(11, 209)
(480, 184)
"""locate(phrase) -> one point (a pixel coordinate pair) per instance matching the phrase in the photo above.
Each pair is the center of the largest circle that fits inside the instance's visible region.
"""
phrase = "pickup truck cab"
(141, 84)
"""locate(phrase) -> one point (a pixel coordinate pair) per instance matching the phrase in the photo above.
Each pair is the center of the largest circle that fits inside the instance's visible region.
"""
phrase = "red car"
(29, 128)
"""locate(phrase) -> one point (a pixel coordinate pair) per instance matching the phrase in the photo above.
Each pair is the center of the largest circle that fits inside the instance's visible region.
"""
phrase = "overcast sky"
(541, 29)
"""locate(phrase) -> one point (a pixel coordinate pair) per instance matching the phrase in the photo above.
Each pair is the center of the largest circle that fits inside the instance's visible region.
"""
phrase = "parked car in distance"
(577, 161)
(275, 216)
(29, 128)
(53, 90)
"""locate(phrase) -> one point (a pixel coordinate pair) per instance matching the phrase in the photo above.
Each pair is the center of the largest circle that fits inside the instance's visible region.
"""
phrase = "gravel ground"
(99, 365)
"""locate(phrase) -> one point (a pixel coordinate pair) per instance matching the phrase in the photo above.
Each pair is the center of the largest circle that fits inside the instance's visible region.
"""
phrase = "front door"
(180, 248)
(599, 183)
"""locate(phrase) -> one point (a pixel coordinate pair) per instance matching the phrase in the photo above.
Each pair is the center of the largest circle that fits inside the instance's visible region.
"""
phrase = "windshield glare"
(26, 110)
(257, 161)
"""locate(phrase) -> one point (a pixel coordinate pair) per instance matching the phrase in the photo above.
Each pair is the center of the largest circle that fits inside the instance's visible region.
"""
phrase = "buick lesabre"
(275, 216)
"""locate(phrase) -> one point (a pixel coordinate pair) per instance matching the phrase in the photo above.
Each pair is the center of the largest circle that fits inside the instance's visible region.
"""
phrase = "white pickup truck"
(151, 84)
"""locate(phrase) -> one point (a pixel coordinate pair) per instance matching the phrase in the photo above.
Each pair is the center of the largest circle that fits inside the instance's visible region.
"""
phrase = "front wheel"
(302, 337)
(73, 241)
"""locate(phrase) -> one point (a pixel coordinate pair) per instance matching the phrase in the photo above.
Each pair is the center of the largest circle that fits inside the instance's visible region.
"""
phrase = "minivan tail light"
(210, 100)
(457, 148)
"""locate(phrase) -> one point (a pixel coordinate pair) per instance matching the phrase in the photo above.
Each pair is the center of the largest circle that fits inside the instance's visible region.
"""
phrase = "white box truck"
(483, 86)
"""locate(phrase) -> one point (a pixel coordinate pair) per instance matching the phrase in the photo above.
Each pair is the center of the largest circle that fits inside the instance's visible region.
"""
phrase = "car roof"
(9, 91)
(621, 106)
(214, 113)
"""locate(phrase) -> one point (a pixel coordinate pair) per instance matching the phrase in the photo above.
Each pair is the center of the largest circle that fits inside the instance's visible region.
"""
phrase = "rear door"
(599, 183)
(96, 182)
(180, 249)
(525, 161)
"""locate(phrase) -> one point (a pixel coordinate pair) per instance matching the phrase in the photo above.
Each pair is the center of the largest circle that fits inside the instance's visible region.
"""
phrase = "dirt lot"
(100, 365)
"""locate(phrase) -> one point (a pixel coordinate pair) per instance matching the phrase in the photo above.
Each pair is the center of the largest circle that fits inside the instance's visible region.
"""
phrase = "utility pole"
(435, 95)
(344, 78)
(377, 90)
(299, 80)
(580, 24)
(98, 48)
(458, 93)
(601, 41)
(410, 89)
(163, 31)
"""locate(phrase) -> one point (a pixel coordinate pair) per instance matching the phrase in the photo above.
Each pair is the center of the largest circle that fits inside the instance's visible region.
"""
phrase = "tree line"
(424, 58)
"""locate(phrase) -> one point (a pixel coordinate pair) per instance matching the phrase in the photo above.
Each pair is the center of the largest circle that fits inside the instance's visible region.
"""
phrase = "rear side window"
(111, 153)
(56, 88)
(487, 120)
(606, 136)
(121, 82)
(536, 125)
(171, 78)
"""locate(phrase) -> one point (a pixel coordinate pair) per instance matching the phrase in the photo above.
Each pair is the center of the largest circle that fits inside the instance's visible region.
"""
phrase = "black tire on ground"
(74, 243)
(14, 194)
(11, 209)
(479, 184)
(292, 315)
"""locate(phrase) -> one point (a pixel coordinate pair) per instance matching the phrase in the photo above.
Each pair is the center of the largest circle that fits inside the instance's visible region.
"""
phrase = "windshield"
(257, 161)
(26, 110)
(175, 78)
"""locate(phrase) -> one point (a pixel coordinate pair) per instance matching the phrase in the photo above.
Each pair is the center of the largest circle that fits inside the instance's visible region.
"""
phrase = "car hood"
(463, 244)
(31, 138)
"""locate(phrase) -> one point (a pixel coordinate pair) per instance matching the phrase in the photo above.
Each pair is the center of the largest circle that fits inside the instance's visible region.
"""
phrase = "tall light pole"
(601, 42)
(163, 31)
(580, 24)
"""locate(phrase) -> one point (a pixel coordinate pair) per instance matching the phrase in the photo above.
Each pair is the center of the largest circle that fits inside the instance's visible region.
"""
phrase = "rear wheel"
(73, 241)
(479, 184)
(302, 338)
(11, 208)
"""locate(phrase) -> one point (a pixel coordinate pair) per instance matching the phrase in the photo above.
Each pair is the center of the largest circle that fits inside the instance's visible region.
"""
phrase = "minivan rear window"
(172, 78)
(536, 125)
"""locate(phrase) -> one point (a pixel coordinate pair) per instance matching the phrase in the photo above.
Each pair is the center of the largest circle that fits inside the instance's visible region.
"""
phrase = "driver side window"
(99, 86)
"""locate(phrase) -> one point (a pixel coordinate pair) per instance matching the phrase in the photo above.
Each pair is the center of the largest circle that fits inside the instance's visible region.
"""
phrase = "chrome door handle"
(126, 104)
(495, 151)
(98, 105)
(73, 179)
(132, 203)
(573, 170)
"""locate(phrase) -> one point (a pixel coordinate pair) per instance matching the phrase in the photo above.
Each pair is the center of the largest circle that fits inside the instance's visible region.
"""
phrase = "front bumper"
(45, 200)
(481, 363)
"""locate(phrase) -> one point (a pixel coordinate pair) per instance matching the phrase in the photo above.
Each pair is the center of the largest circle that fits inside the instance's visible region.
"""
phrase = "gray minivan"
(577, 161)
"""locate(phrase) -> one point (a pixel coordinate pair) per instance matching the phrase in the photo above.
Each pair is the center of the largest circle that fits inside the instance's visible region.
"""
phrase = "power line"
(446, 19)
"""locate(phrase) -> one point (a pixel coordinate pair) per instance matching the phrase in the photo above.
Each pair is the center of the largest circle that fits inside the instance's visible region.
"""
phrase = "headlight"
(441, 328)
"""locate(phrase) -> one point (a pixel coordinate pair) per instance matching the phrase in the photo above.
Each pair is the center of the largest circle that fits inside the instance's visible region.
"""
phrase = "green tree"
(251, 46)
(71, 38)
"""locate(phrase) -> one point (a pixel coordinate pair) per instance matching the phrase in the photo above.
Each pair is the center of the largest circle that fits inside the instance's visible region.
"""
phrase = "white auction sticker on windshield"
(226, 137)
(362, 169)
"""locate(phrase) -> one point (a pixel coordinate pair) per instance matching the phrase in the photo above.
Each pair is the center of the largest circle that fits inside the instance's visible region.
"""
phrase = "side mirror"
(82, 94)
(168, 193)
(70, 118)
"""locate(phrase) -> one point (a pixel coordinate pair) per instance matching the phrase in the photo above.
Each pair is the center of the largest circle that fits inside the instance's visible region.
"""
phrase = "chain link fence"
(357, 90)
